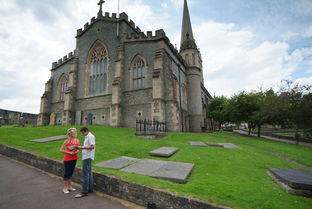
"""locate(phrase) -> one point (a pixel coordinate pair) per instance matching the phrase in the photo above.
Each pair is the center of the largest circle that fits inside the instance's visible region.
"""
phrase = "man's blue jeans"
(87, 176)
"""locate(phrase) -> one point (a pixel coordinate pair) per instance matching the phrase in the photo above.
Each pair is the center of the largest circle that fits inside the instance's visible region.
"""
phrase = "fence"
(150, 126)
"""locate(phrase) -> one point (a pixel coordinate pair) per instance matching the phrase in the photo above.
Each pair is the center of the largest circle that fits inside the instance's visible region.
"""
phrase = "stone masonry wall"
(133, 192)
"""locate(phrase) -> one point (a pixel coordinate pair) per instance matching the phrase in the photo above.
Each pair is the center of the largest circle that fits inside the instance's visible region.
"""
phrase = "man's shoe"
(65, 191)
(80, 195)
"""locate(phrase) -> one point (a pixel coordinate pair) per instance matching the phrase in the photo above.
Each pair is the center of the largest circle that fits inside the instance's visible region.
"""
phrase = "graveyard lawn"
(233, 177)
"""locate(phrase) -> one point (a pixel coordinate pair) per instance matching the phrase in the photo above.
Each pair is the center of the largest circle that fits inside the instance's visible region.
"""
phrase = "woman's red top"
(68, 157)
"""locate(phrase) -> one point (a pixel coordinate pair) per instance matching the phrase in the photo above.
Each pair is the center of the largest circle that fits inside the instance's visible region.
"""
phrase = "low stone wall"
(133, 192)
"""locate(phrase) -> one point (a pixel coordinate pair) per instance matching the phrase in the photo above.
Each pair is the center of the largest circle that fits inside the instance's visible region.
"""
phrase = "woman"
(69, 148)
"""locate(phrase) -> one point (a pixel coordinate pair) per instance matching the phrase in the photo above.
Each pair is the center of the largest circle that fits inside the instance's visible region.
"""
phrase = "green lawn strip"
(232, 177)
(297, 153)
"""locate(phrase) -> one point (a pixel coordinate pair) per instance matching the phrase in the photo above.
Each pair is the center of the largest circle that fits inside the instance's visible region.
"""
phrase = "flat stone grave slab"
(174, 171)
(197, 143)
(49, 139)
(295, 178)
(164, 151)
(117, 163)
(211, 144)
(144, 167)
(230, 145)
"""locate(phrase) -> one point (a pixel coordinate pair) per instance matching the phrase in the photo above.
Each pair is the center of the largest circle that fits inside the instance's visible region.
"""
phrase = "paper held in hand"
(72, 147)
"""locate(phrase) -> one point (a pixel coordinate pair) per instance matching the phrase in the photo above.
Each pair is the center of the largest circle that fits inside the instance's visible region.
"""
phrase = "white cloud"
(29, 45)
(232, 61)
(304, 81)
(177, 3)
(303, 33)
(308, 32)
(164, 5)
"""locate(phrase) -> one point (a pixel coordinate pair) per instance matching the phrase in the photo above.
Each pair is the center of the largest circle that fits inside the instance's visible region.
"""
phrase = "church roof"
(187, 38)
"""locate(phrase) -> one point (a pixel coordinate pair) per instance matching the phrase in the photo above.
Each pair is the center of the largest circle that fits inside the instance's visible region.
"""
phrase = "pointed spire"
(187, 39)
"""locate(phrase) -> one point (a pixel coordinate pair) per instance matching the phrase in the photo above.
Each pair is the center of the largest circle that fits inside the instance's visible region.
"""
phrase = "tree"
(245, 107)
(216, 110)
(297, 105)
(304, 114)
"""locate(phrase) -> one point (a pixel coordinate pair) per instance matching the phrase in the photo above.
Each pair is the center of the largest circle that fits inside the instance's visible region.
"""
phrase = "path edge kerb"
(133, 192)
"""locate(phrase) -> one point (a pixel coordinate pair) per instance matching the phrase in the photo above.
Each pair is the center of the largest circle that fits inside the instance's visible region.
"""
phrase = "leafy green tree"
(304, 114)
(245, 107)
(217, 110)
(297, 105)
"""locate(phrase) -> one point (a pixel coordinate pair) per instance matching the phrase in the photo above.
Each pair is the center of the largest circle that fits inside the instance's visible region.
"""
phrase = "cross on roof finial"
(101, 2)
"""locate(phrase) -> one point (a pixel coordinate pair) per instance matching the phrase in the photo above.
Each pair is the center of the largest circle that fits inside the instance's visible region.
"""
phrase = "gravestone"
(230, 145)
(49, 139)
(293, 181)
(211, 144)
(197, 143)
(174, 171)
(164, 151)
(144, 167)
(117, 163)
(295, 178)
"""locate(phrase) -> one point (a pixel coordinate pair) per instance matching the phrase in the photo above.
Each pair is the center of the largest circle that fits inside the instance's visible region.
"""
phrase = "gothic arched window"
(138, 73)
(62, 87)
(98, 69)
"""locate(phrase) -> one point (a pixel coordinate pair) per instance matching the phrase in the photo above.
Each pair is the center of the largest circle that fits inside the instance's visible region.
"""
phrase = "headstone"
(197, 143)
(293, 181)
(144, 167)
(295, 178)
(49, 139)
(117, 163)
(164, 151)
(211, 144)
(230, 145)
(174, 171)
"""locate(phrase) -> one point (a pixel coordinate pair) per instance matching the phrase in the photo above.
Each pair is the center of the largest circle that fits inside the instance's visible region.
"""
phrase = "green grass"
(231, 177)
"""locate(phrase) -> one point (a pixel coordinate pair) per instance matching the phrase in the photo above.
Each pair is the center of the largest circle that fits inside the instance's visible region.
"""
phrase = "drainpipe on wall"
(181, 110)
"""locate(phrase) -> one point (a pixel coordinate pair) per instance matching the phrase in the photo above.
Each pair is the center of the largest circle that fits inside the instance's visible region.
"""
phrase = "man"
(88, 150)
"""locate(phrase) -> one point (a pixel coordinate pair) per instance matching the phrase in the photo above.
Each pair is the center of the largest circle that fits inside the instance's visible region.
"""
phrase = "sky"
(245, 44)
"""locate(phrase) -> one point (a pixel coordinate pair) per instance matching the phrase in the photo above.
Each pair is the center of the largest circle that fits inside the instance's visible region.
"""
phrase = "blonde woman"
(69, 148)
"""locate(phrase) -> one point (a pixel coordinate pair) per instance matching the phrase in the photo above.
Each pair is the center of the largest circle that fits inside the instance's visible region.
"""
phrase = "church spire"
(187, 39)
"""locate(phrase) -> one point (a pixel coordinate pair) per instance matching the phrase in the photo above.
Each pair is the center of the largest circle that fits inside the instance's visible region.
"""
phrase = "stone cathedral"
(118, 74)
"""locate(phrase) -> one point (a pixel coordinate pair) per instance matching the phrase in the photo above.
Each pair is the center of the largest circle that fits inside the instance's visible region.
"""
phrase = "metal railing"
(150, 126)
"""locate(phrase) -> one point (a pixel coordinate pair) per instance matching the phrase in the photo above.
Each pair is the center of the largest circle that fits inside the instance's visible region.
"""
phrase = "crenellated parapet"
(64, 60)
(149, 36)
(137, 35)
(108, 17)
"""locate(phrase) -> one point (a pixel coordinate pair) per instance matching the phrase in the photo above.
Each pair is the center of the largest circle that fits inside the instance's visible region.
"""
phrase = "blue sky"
(245, 44)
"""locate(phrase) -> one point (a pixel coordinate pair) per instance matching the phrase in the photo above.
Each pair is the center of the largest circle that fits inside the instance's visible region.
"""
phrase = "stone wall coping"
(134, 192)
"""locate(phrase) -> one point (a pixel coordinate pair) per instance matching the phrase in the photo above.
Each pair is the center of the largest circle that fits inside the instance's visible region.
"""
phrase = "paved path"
(305, 144)
(23, 187)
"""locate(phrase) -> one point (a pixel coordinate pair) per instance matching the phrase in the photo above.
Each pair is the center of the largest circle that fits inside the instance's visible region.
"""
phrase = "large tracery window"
(63, 84)
(98, 70)
(138, 68)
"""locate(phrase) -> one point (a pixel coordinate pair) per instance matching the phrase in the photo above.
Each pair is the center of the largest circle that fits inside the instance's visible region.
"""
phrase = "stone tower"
(193, 61)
